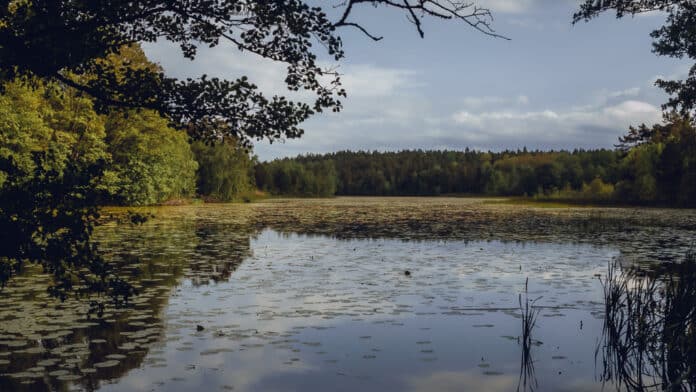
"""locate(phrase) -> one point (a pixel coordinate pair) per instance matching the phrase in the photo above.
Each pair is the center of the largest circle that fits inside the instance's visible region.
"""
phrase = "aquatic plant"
(649, 334)
(530, 313)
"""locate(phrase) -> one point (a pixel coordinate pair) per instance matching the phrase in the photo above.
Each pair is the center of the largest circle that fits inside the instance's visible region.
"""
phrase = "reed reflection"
(649, 335)
(529, 315)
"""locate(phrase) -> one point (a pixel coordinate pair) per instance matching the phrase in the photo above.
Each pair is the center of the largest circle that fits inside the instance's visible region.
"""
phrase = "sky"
(553, 85)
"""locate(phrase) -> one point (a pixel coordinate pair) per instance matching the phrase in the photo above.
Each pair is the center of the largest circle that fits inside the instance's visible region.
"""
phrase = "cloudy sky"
(553, 85)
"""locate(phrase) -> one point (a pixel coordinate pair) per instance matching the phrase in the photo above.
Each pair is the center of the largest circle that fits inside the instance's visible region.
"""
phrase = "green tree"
(224, 170)
(52, 158)
(49, 118)
(150, 162)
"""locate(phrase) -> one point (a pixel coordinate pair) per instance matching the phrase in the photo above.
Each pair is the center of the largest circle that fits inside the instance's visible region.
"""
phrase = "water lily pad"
(69, 377)
(106, 364)
(57, 373)
(14, 343)
(47, 362)
(26, 375)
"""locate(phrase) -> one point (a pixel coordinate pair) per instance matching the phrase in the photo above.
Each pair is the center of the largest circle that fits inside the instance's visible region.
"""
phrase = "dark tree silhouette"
(61, 40)
(48, 220)
(676, 38)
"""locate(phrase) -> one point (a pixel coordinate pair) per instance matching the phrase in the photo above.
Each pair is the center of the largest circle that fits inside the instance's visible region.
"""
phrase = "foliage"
(63, 40)
(289, 177)
(662, 166)
(47, 217)
(47, 118)
(51, 158)
(150, 162)
(56, 168)
(224, 170)
(146, 162)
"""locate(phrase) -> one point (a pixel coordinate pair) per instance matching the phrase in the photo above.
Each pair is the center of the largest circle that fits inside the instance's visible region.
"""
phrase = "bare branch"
(476, 17)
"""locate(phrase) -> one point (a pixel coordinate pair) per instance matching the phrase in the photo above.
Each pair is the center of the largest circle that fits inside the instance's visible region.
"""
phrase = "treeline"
(136, 158)
(46, 127)
(654, 165)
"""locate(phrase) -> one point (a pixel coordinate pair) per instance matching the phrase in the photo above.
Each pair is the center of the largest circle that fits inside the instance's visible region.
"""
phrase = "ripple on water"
(271, 298)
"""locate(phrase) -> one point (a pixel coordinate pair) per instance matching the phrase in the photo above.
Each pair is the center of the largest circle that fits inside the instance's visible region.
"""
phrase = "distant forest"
(650, 165)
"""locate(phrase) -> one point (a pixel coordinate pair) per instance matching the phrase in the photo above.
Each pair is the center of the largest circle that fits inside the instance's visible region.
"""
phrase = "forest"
(650, 165)
(141, 159)
(144, 161)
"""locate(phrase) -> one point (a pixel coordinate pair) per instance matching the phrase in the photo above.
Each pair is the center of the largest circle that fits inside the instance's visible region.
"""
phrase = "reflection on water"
(649, 336)
(312, 295)
(529, 314)
(48, 345)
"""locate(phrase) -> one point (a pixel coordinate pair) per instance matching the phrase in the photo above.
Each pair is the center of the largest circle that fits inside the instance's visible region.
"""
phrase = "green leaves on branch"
(59, 160)
(47, 218)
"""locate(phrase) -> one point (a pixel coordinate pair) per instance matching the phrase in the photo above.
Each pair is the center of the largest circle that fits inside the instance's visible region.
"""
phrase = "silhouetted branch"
(479, 18)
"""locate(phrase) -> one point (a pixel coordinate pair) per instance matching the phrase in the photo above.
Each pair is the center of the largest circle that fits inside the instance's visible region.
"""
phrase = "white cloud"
(588, 127)
(411, 122)
(393, 107)
(634, 110)
(627, 111)
(629, 92)
(606, 98)
(507, 6)
(474, 103)
(522, 99)
(367, 80)
(225, 61)
(453, 381)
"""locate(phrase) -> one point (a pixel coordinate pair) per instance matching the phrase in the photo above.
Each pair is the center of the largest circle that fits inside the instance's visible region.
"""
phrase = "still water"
(344, 294)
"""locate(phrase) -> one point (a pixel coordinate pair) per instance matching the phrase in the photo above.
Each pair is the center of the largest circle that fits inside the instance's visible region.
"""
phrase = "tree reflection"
(220, 250)
(649, 335)
(63, 349)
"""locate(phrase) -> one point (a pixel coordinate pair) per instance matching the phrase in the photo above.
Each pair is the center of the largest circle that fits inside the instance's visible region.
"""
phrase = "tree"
(34, 120)
(65, 39)
(224, 170)
(676, 38)
(52, 156)
(150, 162)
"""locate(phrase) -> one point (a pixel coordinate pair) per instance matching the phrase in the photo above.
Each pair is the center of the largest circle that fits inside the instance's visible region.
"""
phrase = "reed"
(649, 333)
(527, 379)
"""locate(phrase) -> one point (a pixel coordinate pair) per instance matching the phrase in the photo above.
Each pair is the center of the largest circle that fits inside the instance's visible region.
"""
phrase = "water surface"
(315, 295)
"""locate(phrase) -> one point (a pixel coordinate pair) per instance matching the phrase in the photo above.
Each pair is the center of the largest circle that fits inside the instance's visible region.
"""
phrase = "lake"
(368, 294)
